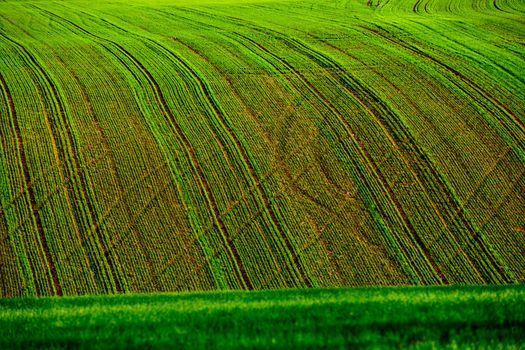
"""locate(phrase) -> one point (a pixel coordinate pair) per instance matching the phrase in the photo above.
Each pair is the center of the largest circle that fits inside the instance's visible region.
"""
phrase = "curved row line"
(452, 202)
(345, 25)
(353, 88)
(226, 126)
(416, 162)
(306, 245)
(190, 153)
(51, 273)
(427, 173)
(238, 233)
(309, 85)
(349, 197)
(64, 146)
(141, 243)
(424, 7)
(429, 178)
(242, 200)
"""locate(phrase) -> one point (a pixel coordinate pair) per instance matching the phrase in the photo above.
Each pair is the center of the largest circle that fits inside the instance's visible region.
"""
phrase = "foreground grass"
(455, 317)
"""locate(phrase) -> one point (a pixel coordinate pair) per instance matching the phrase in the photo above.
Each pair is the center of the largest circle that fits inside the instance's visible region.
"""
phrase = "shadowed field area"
(179, 146)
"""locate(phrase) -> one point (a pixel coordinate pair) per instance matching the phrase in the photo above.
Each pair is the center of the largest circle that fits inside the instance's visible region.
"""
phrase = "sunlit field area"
(191, 146)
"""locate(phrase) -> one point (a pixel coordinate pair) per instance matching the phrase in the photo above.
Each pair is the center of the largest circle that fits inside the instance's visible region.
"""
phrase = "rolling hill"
(157, 146)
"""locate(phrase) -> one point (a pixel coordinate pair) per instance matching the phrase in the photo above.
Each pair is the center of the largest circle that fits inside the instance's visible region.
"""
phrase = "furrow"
(431, 174)
(461, 78)
(255, 179)
(240, 229)
(497, 7)
(51, 274)
(415, 8)
(64, 145)
(359, 144)
(240, 149)
(154, 86)
(444, 188)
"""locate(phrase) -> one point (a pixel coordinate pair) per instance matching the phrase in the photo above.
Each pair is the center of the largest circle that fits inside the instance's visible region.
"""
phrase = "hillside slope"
(147, 146)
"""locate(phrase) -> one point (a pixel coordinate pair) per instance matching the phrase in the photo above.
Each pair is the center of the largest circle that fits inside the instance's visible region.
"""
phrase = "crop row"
(207, 147)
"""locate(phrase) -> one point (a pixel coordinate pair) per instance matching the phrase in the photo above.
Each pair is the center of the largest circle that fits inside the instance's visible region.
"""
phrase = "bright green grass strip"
(416, 317)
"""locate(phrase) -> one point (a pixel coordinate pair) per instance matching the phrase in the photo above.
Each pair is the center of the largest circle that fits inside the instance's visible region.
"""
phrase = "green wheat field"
(350, 318)
(151, 146)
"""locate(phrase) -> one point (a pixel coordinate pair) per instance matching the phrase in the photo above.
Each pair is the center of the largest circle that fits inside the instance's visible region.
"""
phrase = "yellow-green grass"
(152, 146)
(481, 317)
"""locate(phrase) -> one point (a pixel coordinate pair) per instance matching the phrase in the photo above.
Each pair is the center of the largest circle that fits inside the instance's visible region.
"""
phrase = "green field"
(163, 146)
(486, 317)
